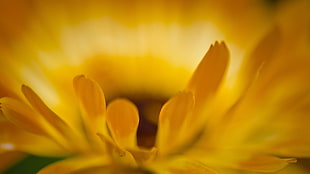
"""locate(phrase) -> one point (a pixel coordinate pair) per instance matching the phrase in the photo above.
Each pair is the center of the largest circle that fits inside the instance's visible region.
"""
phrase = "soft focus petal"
(13, 138)
(93, 106)
(118, 155)
(265, 163)
(48, 114)
(23, 116)
(293, 169)
(175, 122)
(123, 121)
(144, 155)
(209, 73)
(91, 97)
(63, 131)
(184, 165)
(261, 55)
(68, 165)
(109, 170)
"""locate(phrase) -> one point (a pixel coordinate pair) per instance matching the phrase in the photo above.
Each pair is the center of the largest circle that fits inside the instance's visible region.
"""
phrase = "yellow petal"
(175, 123)
(64, 132)
(14, 139)
(293, 130)
(265, 163)
(123, 121)
(48, 114)
(72, 164)
(128, 156)
(262, 54)
(109, 170)
(209, 73)
(117, 154)
(143, 155)
(23, 116)
(93, 105)
(182, 165)
(90, 95)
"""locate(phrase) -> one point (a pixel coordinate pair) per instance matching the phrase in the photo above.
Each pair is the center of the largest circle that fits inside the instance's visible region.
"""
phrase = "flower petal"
(65, 133)
(40, 106)
(265, 163)
(13, 138)
(128, 156)
(183, 165)
(91, 96)
(72, 164)
(118, 154)
(23, 116)
(262, 54)
(123, 121)
(93, 106)
(175, 123)
(209, 73)
(109, 170)
(143, 155)
(293, 138)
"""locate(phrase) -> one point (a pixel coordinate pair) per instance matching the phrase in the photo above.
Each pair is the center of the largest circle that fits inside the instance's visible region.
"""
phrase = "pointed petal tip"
(25, 88)
(210, 72)
(78, 77)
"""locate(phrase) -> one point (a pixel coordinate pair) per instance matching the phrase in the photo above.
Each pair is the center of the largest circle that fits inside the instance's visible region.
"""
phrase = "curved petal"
(109, 170)
(262, 54)
(130, 157)
(91, 97)
(143, 155)
(175, 123)
(64, 132)
(118, 154)
(183, 165)
(93, 106)
(75, 163)
(265, 163)
(293, 138)
(37, 103)
(239, 158)
(23, 116)
(14, 139)
(209, 73)
(123, 121)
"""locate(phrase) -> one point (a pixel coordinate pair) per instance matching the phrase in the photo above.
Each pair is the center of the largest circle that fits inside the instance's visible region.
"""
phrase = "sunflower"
(135, 109)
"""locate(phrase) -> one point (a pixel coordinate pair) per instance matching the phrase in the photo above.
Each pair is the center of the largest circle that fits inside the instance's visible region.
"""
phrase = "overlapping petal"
(175, 121)
(73, 164)
(209, 74)
(93, 107)
(14, 139)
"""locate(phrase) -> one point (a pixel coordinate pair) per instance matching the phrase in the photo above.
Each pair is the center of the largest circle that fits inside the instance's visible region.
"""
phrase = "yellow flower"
(138, 110)
(198, 131)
